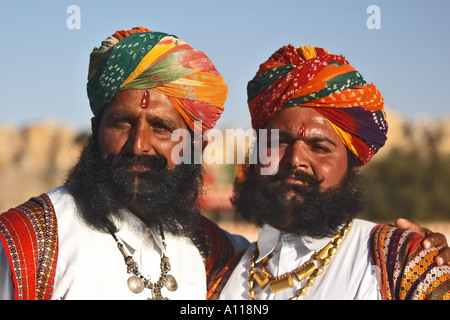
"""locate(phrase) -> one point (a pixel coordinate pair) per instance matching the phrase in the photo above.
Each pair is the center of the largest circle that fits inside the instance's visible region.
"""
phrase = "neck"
(136, 209)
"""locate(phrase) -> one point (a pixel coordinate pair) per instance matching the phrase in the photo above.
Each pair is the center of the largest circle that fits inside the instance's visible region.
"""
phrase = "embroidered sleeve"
(214, 245)
(407, 271)
(29, 234)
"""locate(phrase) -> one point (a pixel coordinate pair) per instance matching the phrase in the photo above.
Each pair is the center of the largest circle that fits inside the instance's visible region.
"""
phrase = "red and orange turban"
(143, 59)
(312, 77)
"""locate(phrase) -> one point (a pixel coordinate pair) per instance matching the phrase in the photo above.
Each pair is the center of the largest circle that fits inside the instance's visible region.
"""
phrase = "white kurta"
(90, 266)
(350, 275)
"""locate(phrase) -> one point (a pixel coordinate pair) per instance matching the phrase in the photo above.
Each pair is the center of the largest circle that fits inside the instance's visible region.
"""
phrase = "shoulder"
(66, 209)
(358, 239)
(362, 228)
(216, 245)
(62, 199)
(407, 271)
(211, 235)
(35, 211)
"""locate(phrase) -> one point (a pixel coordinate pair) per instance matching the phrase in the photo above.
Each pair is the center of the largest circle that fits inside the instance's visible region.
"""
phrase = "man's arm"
(407, 271)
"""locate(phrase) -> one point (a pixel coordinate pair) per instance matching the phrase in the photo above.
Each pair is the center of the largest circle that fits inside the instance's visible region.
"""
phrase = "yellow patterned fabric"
(407, 271)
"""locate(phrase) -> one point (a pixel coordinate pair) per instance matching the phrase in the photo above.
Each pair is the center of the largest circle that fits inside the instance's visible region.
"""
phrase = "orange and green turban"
(143, 59)
(312, 77)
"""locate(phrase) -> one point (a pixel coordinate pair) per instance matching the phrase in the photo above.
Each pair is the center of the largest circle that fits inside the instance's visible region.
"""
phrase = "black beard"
(303, 210)
(102, 186)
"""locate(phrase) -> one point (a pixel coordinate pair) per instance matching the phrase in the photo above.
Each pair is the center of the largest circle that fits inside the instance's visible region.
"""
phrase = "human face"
(130, 125)
(307, 142)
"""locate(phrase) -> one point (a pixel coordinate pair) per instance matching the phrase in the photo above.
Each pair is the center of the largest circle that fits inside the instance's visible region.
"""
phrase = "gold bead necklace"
(308, 270)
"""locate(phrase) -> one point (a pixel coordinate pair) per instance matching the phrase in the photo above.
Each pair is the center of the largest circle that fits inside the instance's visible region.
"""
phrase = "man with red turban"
(312, 77)
(330, 122)
(127, 223)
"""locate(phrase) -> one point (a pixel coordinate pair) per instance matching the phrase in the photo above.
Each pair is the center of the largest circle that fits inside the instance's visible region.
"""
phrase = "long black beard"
(304, 210)
(102, 186)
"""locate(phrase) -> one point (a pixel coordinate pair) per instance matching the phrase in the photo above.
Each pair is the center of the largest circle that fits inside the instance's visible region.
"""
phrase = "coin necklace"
(137, 282)
(309, 270)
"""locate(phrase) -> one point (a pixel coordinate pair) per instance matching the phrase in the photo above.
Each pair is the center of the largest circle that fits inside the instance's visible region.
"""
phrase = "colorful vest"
(407, 271)
(29, 234)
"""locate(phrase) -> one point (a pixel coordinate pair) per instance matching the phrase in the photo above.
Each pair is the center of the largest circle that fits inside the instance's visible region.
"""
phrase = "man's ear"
(94, 124)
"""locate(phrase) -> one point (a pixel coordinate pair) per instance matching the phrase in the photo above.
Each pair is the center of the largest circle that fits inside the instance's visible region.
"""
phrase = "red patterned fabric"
(29, 235)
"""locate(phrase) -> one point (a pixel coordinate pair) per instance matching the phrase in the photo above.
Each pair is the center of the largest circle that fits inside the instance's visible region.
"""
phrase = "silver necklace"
(137, 282)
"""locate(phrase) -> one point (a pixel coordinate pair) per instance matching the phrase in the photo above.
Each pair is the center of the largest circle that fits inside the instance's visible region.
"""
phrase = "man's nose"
(297, 156)
(140, 141)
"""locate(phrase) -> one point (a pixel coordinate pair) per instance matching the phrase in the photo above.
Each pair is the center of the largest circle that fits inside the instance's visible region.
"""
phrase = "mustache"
(299, 175)
(125, 161)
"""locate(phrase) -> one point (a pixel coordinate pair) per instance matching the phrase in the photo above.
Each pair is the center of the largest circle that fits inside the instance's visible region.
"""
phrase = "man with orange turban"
(140, 59)
(127, 223)
(330, 122)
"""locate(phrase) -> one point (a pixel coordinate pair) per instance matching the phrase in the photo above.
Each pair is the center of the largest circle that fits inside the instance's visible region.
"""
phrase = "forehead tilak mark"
(302, 130)
(145, 100)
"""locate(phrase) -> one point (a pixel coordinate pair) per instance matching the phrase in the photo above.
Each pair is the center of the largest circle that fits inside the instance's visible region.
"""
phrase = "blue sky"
(44, 64)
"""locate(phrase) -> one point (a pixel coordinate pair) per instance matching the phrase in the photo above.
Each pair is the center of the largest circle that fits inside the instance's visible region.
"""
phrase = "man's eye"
(320, 148)
(162, 129)
(121, 123)
(283, 143)
(275, 143)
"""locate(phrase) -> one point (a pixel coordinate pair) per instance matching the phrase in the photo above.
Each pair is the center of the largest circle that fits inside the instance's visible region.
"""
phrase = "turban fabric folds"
(143, 59)
(312, 77)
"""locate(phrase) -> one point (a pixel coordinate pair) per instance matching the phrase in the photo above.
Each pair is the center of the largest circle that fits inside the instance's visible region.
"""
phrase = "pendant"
(135, 284)
(262, 278)
(171, 284)
(305, 271)
(156, 294)
(282, 283)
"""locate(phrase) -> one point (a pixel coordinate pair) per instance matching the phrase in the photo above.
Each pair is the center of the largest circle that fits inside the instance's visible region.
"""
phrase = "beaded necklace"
(307, 271)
